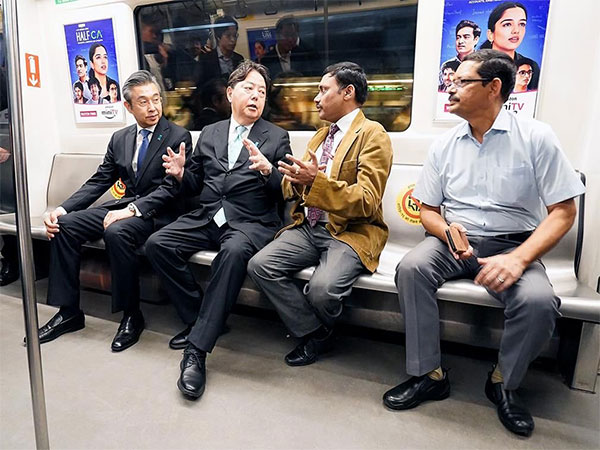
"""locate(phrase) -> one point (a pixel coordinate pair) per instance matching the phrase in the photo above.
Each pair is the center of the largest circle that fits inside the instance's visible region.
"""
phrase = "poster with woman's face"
(515, 28)
(95, 90)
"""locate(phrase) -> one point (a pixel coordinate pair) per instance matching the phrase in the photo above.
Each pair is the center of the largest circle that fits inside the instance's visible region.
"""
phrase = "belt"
(519, 237)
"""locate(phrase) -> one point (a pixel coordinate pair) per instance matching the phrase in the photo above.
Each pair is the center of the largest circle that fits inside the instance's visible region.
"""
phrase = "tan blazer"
(353, 193)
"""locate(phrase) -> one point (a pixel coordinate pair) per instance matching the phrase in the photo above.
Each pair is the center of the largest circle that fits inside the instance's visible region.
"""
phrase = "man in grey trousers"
(494, 175)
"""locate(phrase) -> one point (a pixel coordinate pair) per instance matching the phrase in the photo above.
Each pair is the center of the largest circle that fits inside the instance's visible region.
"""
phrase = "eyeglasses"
(231, 35)
(461, 83)
(525, 72)
(144, 103)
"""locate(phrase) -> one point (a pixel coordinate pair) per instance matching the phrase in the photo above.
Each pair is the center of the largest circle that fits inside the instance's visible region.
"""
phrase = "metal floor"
(100, 400)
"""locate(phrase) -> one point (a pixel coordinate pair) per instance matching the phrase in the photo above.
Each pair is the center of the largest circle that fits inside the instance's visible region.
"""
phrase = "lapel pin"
(159, 137)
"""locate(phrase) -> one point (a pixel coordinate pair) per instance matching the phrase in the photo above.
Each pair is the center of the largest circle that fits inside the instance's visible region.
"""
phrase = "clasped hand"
(51, 222)
(301, 172)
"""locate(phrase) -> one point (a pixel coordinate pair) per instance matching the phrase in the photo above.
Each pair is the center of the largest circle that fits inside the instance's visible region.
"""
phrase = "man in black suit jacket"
(220, 62)
(240, 193)
(133, 167)
(290, 54)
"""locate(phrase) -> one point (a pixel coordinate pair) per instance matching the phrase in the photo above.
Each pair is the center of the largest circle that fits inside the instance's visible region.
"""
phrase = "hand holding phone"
(457, 239)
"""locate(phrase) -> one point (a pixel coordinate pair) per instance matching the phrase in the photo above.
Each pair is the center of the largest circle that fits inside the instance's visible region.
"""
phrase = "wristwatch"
(131, 207)
(268, 172)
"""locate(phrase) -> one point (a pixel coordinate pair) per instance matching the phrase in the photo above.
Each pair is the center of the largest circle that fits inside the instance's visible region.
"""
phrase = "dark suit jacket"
(251, 201)
(209, 67)
(303, 60)
(117, 165)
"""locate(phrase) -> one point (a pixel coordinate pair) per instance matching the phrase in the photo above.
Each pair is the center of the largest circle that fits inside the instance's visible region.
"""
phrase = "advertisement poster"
(515, 28)
(95, 88)
(260, 42)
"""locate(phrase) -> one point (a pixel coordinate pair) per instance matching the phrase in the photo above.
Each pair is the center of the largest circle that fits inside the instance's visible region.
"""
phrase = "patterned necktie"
(142, 149)
(314, 213)
(233, 152)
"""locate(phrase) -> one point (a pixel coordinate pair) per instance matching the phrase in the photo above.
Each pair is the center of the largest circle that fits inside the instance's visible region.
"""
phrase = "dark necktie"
(142, 149)
(314, 213)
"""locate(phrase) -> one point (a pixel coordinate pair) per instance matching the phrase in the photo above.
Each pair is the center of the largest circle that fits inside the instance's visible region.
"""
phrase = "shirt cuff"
(62, 210)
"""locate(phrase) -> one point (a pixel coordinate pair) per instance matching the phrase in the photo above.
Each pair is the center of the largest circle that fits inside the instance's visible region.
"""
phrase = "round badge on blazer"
(117, 190)
(408, 207)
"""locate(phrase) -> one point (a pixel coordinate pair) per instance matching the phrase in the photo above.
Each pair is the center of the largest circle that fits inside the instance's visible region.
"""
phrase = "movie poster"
(519, 31)
(261, 42)
(94, 88)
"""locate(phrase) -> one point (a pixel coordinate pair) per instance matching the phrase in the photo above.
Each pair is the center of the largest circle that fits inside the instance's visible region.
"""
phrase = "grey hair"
(139, 78)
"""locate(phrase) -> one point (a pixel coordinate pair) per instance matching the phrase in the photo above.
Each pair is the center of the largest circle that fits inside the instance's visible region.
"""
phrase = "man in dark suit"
(133, 167)
(220, 62)
(238, 215)
(290, 54)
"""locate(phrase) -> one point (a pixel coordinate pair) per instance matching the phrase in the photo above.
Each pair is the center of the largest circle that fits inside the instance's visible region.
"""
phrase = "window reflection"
(192, 50)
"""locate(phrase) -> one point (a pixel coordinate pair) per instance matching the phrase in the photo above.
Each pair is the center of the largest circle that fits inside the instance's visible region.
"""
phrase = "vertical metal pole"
(17, 134)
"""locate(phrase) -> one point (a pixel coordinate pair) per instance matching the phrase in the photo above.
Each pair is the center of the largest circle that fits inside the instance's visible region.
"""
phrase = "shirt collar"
(233, 125)
(150, 129)
(221, 55)
(344, 122)
(501, 123)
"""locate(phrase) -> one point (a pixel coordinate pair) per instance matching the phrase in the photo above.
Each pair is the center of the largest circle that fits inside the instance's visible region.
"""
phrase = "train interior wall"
(569, 98)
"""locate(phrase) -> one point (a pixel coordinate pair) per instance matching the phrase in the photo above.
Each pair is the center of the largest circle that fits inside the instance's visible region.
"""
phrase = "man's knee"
(154, 246)
(409, 265)
(321, 294)
(237, 252)
(539, 304)
(257, 265)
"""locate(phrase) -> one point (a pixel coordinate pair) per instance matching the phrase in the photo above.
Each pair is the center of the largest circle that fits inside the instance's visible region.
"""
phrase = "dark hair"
(110, 83)
(452, 64)
(495, 64)
(349, 73)
(139, 78)
(242, 71)
(78, 57)
(469, 23)
(261, 43)
(285, 21)
(497, 12)
(79, 85)
(221, 25)
(213, 87)
(94, 82)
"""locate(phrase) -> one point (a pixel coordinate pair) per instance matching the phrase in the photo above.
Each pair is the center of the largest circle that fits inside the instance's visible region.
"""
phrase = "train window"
(192, 46)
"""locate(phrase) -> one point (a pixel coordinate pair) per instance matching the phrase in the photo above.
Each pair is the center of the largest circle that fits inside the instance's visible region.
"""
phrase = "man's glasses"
(462, 83)
(525, 72)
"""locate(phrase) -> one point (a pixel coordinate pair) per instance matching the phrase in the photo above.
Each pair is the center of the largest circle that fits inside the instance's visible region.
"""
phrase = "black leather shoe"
(192, 380)
(511, 412)
(8, 273)
(180, 340)
(129, 332)
(309, 350)
(415, 391)
(59, 325)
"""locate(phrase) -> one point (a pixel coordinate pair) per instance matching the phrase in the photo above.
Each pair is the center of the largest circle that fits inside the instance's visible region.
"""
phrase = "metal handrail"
(17, 134)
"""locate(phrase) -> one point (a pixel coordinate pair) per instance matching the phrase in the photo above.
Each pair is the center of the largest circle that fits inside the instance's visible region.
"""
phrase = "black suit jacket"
(209, 67)
(117, 165)
(303, 60)
(251, 201)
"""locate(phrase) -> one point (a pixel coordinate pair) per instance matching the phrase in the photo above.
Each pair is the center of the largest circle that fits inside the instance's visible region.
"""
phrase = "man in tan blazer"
(337, 218)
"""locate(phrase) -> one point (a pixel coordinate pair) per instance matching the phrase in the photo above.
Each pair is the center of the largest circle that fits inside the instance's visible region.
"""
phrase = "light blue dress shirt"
(501, 185)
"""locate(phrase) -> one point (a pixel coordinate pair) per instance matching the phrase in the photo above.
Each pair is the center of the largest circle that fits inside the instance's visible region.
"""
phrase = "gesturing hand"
(259, 161)
(499, 272)
(174, 162)
(301, 172)
(51, 222)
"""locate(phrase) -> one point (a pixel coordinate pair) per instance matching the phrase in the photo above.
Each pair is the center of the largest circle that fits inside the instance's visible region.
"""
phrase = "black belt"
(519, 237)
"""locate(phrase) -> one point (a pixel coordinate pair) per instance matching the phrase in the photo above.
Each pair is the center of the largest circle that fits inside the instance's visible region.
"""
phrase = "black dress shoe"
(415, 391)
(60, 324)
(8, 273)
(511, 412)
(180, 340)
(309, 350)
(129, 332)
(192, 380)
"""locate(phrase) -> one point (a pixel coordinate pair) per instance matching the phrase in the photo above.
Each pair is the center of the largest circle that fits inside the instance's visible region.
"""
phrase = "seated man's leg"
(418, 277)
(76, 228)
(531, 309)
(272, 270)
(169, 250)
(9, 271)
(122, 239)
(228, 272)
